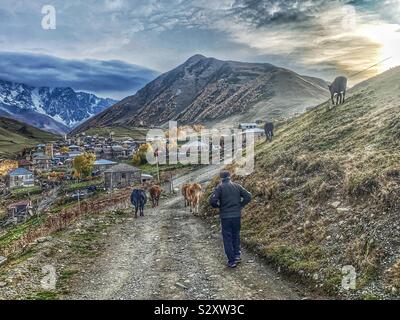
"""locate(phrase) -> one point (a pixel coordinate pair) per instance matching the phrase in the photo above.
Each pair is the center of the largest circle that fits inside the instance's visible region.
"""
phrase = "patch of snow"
(37, 101)
(59, 119)
(14, 93)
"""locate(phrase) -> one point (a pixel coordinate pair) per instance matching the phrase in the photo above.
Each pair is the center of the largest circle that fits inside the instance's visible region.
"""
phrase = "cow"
(138, 200)
(194, 193)
(338, 88)
(269, 131)
(185, 194)
(155, 192)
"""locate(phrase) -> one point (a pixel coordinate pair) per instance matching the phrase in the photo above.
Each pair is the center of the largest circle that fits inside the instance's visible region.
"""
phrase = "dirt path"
(48, 200)
(170, 254)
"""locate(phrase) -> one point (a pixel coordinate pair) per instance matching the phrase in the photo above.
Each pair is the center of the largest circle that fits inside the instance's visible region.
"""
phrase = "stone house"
(121, 176)
(42, 162)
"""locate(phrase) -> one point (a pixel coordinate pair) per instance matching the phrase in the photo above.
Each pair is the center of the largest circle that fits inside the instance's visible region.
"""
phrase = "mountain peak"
(196, 58)
(209, 91)
(55, 109)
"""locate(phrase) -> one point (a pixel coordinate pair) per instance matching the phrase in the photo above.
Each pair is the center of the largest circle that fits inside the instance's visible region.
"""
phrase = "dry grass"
(348, 155)
(393, 275)
(21, 237)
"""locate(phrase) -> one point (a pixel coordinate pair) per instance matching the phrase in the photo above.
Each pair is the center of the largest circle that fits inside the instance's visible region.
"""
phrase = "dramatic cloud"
(318, 37)
(321, 37)
(107, 78)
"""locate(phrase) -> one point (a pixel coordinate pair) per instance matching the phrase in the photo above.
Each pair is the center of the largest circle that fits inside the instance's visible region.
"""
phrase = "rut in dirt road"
(170, 254)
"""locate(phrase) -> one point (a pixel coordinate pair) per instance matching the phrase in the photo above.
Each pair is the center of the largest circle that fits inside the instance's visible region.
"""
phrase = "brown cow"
(185, 189)
(155, 192)
(195, 193)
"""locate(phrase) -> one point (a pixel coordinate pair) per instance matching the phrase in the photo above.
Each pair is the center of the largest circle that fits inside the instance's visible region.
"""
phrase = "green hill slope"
(327, 192)
(14, 136)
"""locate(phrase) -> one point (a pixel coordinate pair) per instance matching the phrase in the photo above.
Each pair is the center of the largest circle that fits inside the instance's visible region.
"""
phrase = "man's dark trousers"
(231, 237)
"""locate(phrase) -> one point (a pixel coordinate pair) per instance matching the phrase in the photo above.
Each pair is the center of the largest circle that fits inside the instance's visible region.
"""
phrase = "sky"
(131, 41)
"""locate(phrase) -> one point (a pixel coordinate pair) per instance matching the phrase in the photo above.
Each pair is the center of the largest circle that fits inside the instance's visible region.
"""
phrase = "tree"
(140, 156)
(83, 165)
(7, 165)
(64, 150)
(136, 160)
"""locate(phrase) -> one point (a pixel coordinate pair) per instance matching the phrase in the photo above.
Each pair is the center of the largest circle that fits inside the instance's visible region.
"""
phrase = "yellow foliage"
(140, 156)
(64, 150)
(83, 165)
(136, 160)
(7, 165)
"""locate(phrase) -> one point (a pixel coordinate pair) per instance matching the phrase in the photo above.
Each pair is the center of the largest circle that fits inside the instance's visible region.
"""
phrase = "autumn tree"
(83, 165)
(140, 156)
(136, 160)
(64, 150)
(7, 165)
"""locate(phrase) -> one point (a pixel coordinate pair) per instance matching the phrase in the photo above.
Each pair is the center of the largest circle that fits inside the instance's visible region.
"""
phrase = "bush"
(363, 185)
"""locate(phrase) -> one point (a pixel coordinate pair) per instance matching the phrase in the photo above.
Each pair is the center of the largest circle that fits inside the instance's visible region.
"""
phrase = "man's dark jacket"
(230, 198)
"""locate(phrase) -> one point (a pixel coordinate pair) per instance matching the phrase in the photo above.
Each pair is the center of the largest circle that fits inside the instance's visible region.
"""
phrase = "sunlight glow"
(388, 36)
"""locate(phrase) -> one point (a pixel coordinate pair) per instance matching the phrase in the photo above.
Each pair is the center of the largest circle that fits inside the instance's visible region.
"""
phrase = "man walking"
(230, 198)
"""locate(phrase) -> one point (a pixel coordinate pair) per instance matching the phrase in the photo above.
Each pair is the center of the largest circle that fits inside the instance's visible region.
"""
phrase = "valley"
(15, 136)
(325, 193)
(195, 156)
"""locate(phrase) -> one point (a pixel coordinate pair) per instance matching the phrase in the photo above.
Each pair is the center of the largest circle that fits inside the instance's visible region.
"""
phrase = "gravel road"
(170, 254)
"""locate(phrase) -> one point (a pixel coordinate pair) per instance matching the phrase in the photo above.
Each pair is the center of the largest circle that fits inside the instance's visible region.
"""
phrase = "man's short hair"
(224, 174)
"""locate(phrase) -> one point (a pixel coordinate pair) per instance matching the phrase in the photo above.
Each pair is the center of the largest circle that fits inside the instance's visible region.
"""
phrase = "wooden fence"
(66, 217)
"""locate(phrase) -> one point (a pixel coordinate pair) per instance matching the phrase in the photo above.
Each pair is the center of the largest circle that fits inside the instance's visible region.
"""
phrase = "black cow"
(138, 200)
(338, 87)
(269, 131)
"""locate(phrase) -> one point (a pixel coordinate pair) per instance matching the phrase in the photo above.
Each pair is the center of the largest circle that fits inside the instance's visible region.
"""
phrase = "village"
(75, 168)
(49, 169)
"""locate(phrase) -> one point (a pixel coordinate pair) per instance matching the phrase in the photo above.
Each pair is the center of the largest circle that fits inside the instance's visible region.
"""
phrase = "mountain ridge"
(208, 90)
(53, 109)
(15, 135)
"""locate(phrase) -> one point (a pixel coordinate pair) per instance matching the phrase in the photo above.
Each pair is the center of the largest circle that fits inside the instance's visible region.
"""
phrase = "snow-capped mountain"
(51, 109)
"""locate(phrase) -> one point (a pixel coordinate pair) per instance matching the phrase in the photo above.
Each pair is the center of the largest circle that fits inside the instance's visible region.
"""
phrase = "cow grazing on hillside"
(155, 192)
(185, 194)
(194, 193)
(269, 131)
(338, 88)
(139, 200)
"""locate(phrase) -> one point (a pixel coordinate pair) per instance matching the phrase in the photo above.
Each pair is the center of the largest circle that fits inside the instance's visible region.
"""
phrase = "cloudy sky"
(107, 46)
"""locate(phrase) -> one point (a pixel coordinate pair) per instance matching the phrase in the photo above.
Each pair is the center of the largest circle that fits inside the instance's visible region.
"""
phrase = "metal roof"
(20, 172)
(248, 124)
(104, 162)
(42, 157)
(254, 130)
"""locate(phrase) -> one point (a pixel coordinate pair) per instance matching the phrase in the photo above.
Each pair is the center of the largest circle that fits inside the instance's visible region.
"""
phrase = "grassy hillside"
(327, 192)
(14, 136)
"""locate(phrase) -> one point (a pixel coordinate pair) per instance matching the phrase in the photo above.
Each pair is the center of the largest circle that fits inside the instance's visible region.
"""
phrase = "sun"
(388, 37)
